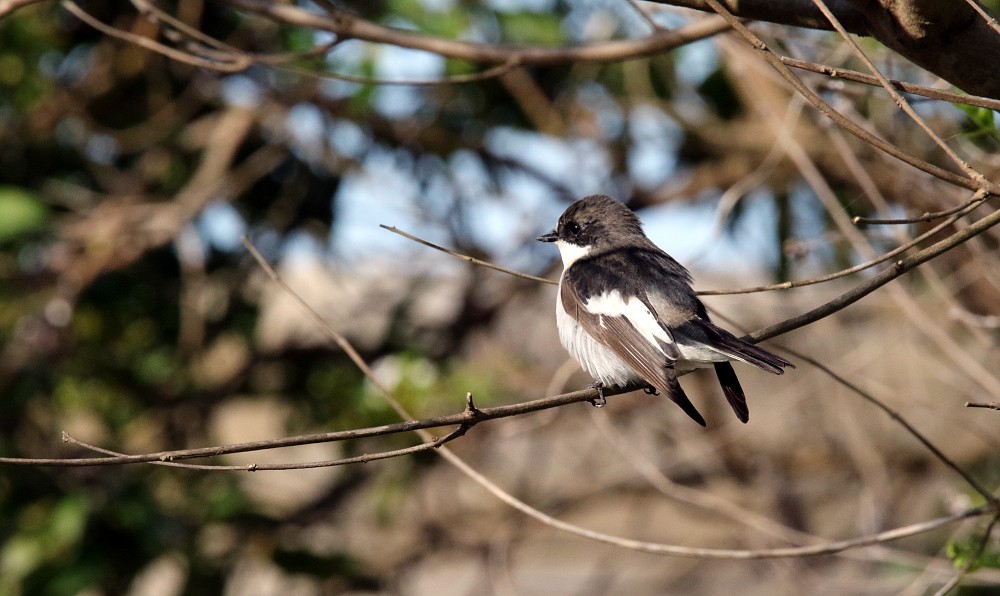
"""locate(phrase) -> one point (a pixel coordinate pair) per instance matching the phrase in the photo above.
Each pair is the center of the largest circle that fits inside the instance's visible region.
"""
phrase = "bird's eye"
(573, 228)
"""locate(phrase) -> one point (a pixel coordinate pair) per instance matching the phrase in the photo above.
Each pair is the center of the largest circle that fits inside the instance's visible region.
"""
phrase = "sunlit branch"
(863, 289)
(926, 217)
(466, 258)
(237, 63)
(847, 74)
(348, 26)
(846, 123)
(900, 101)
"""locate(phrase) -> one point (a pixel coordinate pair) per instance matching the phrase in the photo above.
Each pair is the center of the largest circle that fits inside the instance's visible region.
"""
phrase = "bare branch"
(116, 457)
(795, 13)
(348, 26)
(467, 418)
(995, 405)
(900, 101)
(860, 77)
(466, 258)
(658, 548)
(237, 64)
(979, 488)
(860, 291)
(842, 121)
(964, 208)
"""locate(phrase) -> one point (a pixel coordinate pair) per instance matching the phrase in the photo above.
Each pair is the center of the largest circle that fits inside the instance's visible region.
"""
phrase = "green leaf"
(964, 553)
(20, 213)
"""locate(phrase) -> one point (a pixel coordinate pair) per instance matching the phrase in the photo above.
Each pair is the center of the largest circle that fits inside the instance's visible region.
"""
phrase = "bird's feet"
(601, 401)
(650, 390)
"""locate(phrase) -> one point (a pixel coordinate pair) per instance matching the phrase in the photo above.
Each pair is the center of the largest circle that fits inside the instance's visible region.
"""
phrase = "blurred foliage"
(971, 553)
(97, 327)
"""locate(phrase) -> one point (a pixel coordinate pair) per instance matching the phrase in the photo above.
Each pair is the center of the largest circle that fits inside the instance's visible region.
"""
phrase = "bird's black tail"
(676, 394)
(731, 388)
(736, 348)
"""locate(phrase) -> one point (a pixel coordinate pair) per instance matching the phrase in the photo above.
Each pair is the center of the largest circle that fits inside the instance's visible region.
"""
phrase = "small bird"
(626, 311)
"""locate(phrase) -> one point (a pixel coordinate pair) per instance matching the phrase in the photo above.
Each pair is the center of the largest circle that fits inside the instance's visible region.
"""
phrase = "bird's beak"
(550, 237)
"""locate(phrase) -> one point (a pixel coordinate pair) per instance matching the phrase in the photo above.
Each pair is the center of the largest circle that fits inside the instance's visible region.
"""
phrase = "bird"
(626, 311)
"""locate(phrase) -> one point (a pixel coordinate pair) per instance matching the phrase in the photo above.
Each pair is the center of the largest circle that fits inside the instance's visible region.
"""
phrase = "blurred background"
(132, 316)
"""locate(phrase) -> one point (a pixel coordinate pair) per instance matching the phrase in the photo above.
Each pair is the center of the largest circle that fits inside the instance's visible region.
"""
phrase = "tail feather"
(676, 394)
(701, 331)
(732, 390)
(736, 348)
(762, 359)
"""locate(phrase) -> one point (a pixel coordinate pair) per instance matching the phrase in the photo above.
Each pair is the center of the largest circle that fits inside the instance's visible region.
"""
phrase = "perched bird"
(626, 311)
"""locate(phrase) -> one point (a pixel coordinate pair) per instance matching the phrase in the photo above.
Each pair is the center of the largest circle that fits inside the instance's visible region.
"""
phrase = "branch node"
(471, 411)
(251, 467)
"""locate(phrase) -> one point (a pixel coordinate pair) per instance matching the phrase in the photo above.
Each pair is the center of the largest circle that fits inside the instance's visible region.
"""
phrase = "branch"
(468, 418)
(860, 291)
(995, 405)
(657, 548)
(937, 453)
(925, 217)
(950, 39)
(902, 103)
(466, 258)
(794, 13)
(348, 26)
(924, 91)
(956, 215)
(239, 63)
(841, 120)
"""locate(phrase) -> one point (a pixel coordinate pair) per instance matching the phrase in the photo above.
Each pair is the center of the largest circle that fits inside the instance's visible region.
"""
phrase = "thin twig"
(489, 73)
(239, 63)
(854, 76)
(645, 15)
(900, 101)
(750, 290)
(118, 458)
(977, 200)
(466, 418)
(979, 488)
(992, 22)
(827, 548)
(850, 270)
(842, 121)
(861, 290)
(993, 405)
(467, 258)
(348, 26)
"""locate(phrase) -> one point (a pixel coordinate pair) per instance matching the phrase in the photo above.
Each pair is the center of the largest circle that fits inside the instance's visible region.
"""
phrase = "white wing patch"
(595, 358)
(638, 314)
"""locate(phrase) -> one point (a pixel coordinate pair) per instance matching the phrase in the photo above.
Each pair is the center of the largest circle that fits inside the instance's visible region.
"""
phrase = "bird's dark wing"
(632, 330)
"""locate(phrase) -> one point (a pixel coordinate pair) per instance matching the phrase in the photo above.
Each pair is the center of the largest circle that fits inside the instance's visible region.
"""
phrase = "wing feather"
(637, 337)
